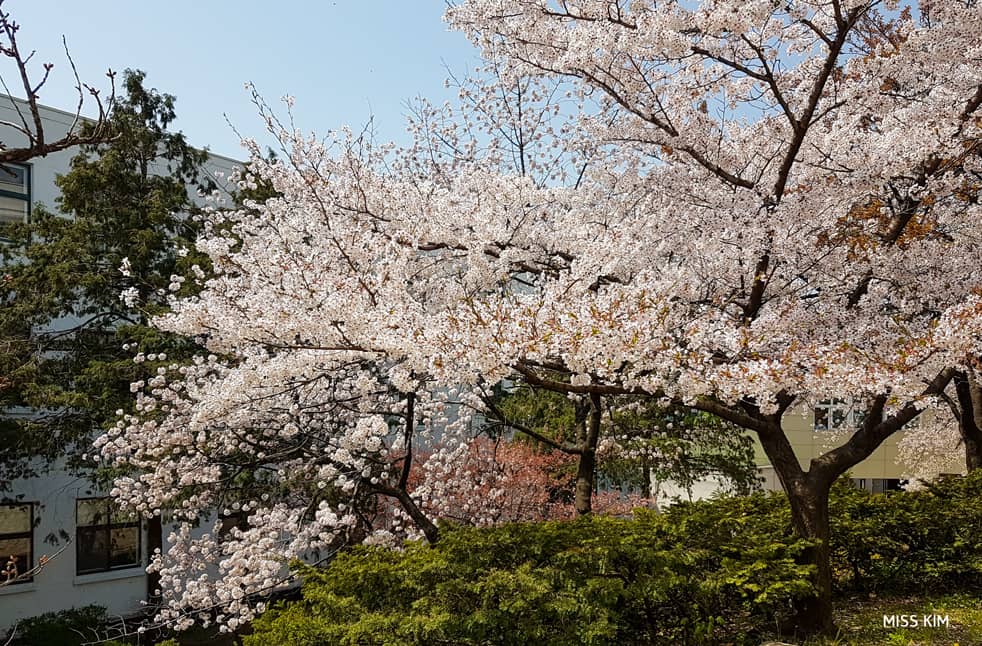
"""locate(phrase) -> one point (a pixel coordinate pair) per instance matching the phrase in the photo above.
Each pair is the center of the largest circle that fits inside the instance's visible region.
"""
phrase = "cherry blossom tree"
(740, 207)
(797, 171)
(501, 481)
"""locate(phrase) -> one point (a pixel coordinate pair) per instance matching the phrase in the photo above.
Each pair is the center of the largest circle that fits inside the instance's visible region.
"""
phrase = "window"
(15, 193)
(838, 415)
(16, 542)
(878, 485)
(106, 538)
(845, 415)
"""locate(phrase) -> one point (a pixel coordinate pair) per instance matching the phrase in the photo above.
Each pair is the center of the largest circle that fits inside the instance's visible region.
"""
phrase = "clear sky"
(343, 60)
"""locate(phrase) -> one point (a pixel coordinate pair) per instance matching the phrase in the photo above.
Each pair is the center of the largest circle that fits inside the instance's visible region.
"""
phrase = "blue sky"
(343, 60)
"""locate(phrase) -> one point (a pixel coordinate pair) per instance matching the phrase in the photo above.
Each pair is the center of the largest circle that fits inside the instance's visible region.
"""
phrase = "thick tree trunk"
(808, 491)
(970, 419)
(810, 518)
(809, 498)
(586, 469)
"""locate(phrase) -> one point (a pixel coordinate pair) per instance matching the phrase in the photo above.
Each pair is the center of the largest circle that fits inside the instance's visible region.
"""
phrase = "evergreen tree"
(67, 339)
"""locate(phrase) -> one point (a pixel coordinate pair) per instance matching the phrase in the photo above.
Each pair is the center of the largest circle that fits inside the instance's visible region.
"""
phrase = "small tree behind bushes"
(501, 481)
(709, 572)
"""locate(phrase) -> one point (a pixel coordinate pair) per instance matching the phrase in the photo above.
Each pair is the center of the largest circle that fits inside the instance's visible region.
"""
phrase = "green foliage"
(718, 571)
(66, 628)
(63, 326)
(596, 580)
(909, 542)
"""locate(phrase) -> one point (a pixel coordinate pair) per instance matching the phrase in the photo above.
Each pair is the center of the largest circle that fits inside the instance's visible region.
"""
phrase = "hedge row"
(709, 572)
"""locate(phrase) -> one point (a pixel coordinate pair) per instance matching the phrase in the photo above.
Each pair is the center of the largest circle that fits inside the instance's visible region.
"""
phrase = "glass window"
(15, 193)
(16, 542)
(838, 415)
(105, 538)
(845, 415)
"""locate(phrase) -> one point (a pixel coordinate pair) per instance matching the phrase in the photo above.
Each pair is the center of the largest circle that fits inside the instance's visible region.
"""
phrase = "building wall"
(58, 586)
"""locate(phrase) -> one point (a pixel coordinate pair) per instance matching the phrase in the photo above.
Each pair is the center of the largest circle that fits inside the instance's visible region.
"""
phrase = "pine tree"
(67, 339)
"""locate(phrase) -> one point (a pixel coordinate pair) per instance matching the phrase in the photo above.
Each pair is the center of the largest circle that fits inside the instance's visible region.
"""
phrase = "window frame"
(108, 526)
(852, 415)
(26, 196)
(29, 535)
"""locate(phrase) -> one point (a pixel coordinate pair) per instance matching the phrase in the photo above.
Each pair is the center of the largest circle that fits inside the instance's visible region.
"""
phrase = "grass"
(861, 622)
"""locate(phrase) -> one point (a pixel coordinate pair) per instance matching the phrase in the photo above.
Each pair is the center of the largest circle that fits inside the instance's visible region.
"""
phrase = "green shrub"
(708, 572)
(591, 581)
(66, 628)
(909, 542)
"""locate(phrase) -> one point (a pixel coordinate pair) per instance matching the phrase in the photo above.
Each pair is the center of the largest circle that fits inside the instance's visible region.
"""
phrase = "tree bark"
(970, 419)
(420, 519)
(586, 468)
(808, 495)
(400, 492)
(155, 541)
(810, 518)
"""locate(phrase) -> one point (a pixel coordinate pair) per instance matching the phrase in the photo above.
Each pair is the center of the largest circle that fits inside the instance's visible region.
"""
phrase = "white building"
(101, 554)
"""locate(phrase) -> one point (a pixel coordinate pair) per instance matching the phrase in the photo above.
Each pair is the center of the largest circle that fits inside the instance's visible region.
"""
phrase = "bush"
(66, 628)
(908, 542)
(597, 580)
(708, 572)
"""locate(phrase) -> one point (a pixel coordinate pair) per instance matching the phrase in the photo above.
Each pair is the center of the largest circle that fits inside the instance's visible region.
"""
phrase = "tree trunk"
(587, 467)
(155, 541)
(970, 419)
(422, 522)
(646, 481)
(810, 518)
(399, 492)
(809, 498)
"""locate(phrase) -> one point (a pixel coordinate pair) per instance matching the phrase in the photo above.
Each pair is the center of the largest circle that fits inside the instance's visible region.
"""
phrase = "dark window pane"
(821, 419)
(92, 549)
(119, 517)
(238, 520)
(92, 512)
(13, 178)
(12, 209)
(15, 557)
(125, 547)
(858, 416)
(107, 537)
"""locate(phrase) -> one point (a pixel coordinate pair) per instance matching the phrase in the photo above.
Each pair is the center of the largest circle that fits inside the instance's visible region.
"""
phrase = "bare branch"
(32, 124)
